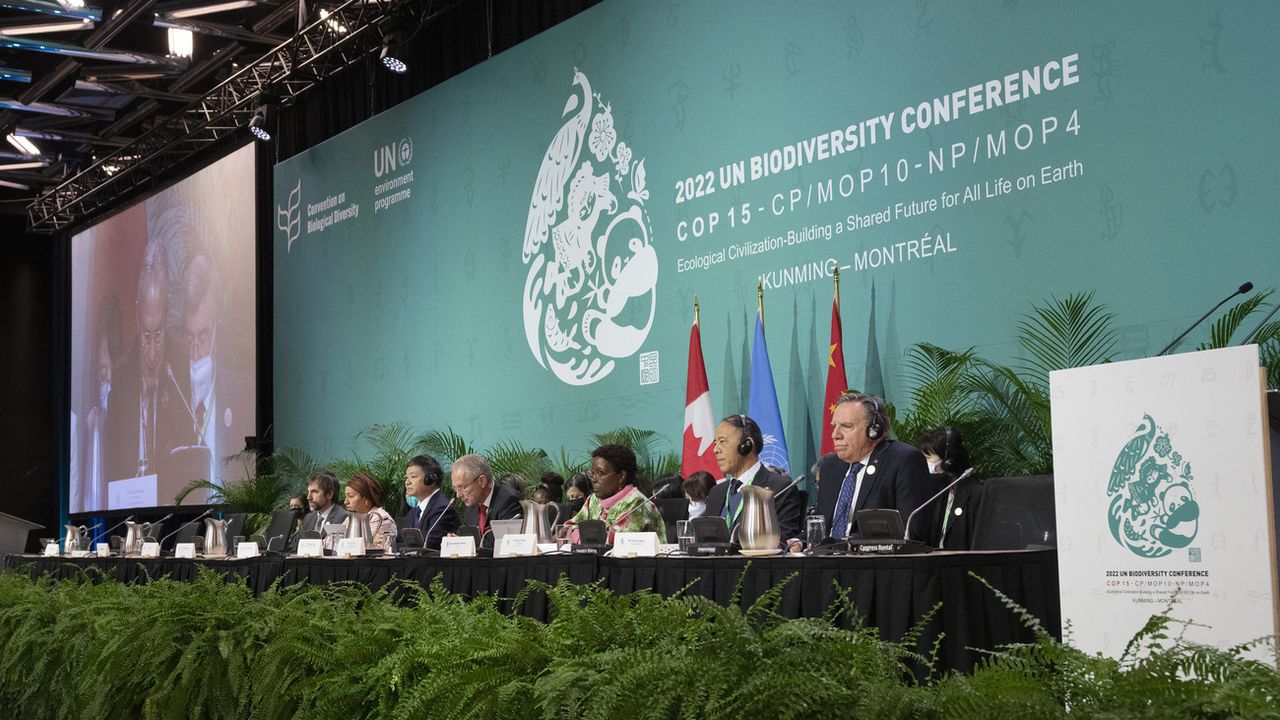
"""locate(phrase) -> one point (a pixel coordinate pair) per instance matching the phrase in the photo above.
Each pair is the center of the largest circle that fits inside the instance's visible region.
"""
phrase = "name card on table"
(518, 545)
(185, 550)
(104, 549)
(311, 547)
(79, 553)
(456, 547)
(635, 544)
(52, 550)
(150, 549)
(248, 549)
(351, 547)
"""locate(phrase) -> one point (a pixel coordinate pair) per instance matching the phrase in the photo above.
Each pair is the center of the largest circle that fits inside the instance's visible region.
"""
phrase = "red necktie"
(483, 514)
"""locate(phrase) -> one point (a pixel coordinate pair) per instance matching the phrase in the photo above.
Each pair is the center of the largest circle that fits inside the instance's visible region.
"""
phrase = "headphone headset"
(875, 426)
(947, 463)
(746, 445)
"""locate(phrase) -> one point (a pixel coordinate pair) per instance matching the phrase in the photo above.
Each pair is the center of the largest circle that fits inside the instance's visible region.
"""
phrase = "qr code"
(1193, 554)
(649, 368)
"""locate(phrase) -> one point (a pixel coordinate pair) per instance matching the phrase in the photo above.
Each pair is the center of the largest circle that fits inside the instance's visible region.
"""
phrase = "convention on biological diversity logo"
(1153, 510)
(591, 292)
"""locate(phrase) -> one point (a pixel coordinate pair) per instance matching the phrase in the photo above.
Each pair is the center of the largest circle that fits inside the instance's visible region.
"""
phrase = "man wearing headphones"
(869, 470)
(432, 512)
(737, 445)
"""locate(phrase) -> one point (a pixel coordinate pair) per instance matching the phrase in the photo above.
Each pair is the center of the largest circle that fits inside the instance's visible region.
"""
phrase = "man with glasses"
(486, 500)
(143, 402)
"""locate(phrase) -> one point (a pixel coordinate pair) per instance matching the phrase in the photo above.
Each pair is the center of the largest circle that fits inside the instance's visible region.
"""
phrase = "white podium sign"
(1162, 484)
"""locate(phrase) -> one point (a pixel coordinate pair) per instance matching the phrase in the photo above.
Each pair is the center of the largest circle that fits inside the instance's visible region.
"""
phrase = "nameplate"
(518, 545)
(351, 547)
(457, 547)
(248, 549)
(547, 547)
(150, 549)
(668, 548)
(185, 550)
(311, 547)
(104, 549)
(635, 544)
(52, 550)
(79, 553)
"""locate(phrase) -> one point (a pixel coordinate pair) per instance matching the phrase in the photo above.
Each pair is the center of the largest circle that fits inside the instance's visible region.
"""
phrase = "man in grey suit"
(322, 496)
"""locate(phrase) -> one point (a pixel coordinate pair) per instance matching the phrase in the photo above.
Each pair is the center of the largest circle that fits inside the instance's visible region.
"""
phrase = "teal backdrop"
(509, 256)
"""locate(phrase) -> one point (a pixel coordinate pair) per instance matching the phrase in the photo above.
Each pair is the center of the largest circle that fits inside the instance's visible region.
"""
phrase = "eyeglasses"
(597, 474)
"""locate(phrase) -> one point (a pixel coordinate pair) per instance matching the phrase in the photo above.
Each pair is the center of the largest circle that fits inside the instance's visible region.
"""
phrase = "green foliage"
(1223, 333)
(258, 494)
(1003, 411)
(651, 461)
(208, 649)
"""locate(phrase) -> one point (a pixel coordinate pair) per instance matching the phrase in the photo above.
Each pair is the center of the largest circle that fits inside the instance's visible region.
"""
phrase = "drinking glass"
(815, 530)
(684, 534)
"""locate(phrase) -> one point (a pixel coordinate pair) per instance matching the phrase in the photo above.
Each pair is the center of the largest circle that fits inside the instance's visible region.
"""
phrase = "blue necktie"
(844, 503)
(735, 499)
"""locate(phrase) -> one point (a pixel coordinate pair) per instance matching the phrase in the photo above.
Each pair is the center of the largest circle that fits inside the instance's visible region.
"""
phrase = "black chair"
(568, 510)
(281, 525)
(235, 525)
(187, 533)
(672, 510)
(1016, 513)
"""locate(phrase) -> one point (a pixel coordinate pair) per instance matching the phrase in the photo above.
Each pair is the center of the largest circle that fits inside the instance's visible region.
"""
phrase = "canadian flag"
(699, 422)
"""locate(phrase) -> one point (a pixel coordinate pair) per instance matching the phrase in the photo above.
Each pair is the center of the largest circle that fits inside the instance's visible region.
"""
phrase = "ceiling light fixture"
(25, 146)
(392, 55)
(181, 43)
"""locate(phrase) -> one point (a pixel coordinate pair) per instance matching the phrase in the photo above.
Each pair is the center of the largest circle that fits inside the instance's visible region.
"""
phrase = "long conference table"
(891, 593)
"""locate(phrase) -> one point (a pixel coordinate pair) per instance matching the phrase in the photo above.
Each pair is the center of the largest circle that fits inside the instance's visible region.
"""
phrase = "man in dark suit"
(869, 470)
(433, 514)
(486, 501)
(737, 445)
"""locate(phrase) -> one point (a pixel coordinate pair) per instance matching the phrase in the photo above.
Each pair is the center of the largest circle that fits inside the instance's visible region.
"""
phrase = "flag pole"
(695, 309)
(760, 299)
(837, 276)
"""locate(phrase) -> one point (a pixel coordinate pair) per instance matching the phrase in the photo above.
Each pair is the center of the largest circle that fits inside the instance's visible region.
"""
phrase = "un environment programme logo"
(289, 216)
(1153, 510)
(591, 292)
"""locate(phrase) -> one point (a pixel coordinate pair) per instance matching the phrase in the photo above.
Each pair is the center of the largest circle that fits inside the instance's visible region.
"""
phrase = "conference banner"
(515, 253)
(1163, 497)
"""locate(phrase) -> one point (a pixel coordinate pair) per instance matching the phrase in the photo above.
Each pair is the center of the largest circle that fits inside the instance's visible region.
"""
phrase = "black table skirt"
(258, 572)
(890, 593)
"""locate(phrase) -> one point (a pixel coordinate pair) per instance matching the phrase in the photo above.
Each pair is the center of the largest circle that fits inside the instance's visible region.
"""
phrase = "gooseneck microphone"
(196, 519)
(107, 532)
(1239, 291)
(906, 531)
(657, 494)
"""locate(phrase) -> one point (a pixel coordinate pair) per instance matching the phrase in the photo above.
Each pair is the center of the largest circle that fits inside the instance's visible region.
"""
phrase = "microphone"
(906, 532)
(1254, 332)
(426, 537)
(1239, 291)
(166, 517)
(189, 522)
(657, 494)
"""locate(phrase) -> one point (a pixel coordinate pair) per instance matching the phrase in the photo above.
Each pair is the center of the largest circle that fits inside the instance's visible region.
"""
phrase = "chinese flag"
(699, 422)
(836, 382)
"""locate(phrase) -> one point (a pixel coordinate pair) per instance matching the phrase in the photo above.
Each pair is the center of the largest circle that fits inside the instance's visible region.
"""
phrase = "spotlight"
(258, 124)
(262, 124)
(393, 52)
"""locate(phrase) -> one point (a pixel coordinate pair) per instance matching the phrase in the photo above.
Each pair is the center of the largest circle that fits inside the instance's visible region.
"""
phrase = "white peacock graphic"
(591, 292)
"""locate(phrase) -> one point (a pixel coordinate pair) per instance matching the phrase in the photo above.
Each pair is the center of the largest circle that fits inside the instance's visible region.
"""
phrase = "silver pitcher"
(135, 532)
(758, 520)
(77, 538)
(358, 527)
(535, 520)
(215, 537)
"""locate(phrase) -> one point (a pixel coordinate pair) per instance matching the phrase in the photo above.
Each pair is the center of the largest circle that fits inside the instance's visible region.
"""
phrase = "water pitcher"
(215, 537)
(134, 534)
(758, 520)
(535, 520)
(77, 538)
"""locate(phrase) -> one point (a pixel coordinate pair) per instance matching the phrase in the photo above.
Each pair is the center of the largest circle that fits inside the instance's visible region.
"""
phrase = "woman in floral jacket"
(614, 498)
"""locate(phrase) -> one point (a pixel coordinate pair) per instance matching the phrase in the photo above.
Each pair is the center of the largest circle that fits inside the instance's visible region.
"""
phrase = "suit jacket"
(901, 482)
(969, 494)
(789, 507)
(436, 519)
(124, 419)
(336, 515)
(505, 505)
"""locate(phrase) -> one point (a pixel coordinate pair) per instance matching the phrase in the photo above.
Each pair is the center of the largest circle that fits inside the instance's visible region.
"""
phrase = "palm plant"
(510, 457)
(1267, 338)
(651, 461)
(258, 494)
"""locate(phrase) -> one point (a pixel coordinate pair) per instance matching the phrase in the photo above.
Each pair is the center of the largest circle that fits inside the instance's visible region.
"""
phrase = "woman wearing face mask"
(948, 459)
(696, 488)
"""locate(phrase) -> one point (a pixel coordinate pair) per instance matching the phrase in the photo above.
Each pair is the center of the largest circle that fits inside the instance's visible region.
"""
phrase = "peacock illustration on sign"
(591, 290)
(1153, 510)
